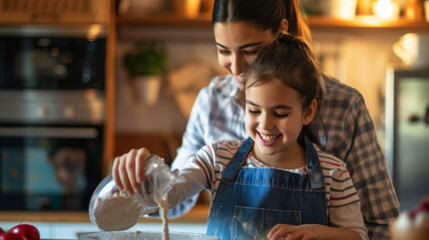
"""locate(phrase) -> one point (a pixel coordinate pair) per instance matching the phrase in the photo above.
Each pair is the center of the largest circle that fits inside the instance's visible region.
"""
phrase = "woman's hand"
(290, 232)
(128, 170)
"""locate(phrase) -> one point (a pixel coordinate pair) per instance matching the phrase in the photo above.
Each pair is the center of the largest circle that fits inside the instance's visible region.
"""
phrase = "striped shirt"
(218, 115)
(204, 171)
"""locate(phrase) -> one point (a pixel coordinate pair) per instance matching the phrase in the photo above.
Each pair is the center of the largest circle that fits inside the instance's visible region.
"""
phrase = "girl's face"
(274, 118)
(238, 44)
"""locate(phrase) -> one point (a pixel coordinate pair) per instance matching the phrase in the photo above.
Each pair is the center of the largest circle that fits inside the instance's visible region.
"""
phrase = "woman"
(241, 29)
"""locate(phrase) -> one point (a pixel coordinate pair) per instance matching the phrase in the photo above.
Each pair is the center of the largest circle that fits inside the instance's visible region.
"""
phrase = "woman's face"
(238, 44)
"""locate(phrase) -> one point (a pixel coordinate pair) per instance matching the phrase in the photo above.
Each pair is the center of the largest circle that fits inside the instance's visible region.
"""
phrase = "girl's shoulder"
(220, 152)
(329, 161)
(227, 148)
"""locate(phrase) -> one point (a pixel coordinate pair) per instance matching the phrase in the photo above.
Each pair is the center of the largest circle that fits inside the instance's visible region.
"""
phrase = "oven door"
(48, 57)
(49, 167)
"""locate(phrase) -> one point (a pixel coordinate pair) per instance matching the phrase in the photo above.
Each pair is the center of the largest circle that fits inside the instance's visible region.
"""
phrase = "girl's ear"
(284, 26)
(310, 112)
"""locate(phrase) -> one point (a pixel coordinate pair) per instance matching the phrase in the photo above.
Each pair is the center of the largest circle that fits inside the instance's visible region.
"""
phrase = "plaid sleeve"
(193, 138)
(348, 133)
(368, 168)
(192, 141)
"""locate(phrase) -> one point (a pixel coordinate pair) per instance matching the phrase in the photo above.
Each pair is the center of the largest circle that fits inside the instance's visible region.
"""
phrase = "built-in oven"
(52, 116)
(52, 57)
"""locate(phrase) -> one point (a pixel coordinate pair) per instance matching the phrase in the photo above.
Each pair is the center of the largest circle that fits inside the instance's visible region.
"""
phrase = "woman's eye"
(253, 52)
(253, 111)
(222, 51)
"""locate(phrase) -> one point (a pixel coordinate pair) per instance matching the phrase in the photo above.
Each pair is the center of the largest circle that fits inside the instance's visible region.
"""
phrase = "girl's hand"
(290, 232)
(128, 170)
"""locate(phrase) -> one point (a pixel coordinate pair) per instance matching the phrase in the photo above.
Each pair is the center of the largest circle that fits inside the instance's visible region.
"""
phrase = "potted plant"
(146, 64)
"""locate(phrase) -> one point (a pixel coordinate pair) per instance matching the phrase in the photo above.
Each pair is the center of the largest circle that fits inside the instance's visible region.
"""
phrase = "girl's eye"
(281, 115)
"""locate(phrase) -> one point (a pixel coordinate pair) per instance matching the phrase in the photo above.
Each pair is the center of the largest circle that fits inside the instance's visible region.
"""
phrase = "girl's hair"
(290, 62)
(264, 14)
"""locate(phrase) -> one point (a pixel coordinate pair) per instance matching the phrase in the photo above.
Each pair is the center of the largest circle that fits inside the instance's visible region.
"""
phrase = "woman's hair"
(264, 14)
(290, 62)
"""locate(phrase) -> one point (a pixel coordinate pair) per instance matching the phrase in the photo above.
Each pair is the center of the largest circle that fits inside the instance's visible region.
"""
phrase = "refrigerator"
(407, 133)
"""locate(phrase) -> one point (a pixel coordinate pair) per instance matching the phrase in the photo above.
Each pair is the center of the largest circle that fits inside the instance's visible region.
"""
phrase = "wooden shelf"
(366, 22)
(315, 22)
(165, 20)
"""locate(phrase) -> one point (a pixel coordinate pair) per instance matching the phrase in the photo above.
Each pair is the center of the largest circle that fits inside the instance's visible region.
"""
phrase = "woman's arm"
(193, 138)
(368, 168)
(192, 141)
(351, 136)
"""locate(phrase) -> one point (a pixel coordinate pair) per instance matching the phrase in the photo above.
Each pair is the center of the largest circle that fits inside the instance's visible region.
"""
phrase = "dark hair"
(290, 62)
(264, 14)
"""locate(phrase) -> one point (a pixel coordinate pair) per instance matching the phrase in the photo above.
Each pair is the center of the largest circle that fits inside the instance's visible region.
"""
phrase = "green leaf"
(146, 58)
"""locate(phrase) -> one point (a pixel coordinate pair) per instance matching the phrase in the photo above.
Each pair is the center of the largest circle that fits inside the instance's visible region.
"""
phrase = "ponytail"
(297, 25)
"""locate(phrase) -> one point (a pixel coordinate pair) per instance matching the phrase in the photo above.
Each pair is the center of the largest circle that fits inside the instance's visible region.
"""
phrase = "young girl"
(276, 183)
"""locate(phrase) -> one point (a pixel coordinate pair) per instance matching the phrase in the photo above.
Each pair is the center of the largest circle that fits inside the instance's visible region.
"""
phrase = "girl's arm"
(198, 173)
(310, 232)
(344, 204)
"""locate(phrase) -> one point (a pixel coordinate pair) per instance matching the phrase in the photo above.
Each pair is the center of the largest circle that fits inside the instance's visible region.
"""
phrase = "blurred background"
(70, 102)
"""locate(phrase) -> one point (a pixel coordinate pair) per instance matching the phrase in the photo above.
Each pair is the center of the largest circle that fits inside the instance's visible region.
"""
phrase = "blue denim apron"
(250, 201)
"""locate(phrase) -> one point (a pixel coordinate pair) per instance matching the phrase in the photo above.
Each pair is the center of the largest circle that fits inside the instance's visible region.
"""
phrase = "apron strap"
(237, 161)
(313, 166)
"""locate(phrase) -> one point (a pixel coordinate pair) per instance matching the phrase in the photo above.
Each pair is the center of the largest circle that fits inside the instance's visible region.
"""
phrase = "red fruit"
(423, 206)
(1, 231)
(412, 213)
(12, 236)
(27, 230)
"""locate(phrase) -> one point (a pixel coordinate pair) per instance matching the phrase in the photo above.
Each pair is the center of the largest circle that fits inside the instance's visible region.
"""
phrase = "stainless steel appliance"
(407, 133)
(52, 116)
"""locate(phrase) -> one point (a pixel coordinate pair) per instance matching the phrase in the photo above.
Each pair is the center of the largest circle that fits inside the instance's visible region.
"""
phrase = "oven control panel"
(55, 11)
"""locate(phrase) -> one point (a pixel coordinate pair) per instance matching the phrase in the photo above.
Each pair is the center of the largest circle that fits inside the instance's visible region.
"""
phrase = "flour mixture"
(114, 210)
(118, 212)
(163, 206)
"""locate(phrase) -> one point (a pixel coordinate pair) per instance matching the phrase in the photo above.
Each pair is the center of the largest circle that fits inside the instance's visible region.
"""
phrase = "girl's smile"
(268, 140)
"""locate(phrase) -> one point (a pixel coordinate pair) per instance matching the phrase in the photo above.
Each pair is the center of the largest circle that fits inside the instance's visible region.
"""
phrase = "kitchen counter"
(198, 214)
(65, 225)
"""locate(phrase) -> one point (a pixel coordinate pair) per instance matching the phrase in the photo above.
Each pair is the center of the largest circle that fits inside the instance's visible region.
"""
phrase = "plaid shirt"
(347, 132)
